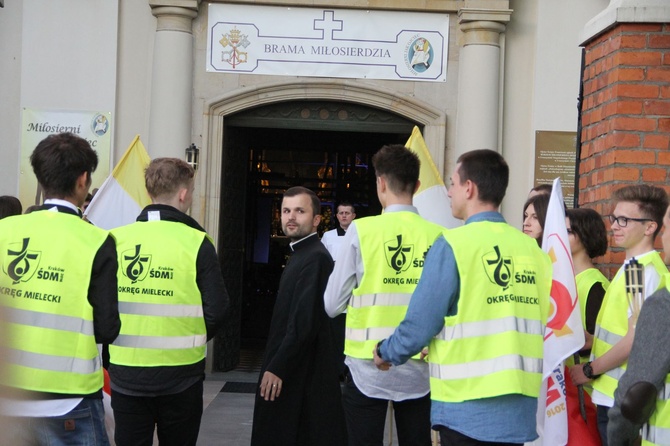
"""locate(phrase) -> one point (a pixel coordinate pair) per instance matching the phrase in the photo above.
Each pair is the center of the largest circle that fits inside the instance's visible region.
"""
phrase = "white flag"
(564, 334)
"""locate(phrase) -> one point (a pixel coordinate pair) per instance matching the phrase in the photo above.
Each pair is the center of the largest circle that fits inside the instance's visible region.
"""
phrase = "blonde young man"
(172, 300)
(636, 220)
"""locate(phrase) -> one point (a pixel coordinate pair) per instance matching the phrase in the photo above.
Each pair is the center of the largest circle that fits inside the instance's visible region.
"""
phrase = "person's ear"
(182, 194)
(651, 228)
(83, 180)
(470, 189)
(381, 184)
(418, 185)
(317, 220)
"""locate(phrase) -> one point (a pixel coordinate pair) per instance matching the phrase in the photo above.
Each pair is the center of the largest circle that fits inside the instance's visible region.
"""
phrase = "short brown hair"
(651, 200)
(488, 170)
(399, 166)
(165, 176)
(59, 159)
(299, 190)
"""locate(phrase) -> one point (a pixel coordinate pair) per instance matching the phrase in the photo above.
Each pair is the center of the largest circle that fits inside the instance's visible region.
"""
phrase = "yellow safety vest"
(612, 323)
(585, 281)
(393, 248)
(160, 305)
(47, 260)
(494, 344)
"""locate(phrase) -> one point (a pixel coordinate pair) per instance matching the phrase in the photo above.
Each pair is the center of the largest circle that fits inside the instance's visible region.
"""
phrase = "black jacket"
(166, 380)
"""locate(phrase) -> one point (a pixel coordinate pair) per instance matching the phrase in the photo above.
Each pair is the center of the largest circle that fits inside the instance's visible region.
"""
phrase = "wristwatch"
(379, 353)
(588, 371)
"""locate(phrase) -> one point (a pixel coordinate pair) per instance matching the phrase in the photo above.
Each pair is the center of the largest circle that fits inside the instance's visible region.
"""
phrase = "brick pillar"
(625, 116)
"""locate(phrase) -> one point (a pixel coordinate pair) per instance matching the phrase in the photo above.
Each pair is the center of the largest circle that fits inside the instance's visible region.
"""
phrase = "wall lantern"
(192, 153)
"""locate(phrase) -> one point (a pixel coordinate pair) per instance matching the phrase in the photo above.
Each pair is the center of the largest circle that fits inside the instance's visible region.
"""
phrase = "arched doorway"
(322, 144)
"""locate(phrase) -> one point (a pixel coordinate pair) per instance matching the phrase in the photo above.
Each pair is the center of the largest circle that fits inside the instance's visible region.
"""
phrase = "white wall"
(11, 18)
(59, 55)
(542, 73)
(137, 28)
(558, 57)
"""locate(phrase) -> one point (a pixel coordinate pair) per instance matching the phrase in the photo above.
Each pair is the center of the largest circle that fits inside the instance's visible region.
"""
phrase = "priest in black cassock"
(298, 398)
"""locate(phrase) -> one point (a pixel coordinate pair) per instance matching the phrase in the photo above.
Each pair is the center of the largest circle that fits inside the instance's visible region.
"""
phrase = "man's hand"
(270, 386)
(379, 362)
(577, 375)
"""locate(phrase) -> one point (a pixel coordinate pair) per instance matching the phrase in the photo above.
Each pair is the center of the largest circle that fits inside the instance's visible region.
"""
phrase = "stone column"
(172, 78)
(477, 121)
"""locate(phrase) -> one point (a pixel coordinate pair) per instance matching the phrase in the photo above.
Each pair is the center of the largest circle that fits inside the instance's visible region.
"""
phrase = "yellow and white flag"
(123, 195)
(431, 199)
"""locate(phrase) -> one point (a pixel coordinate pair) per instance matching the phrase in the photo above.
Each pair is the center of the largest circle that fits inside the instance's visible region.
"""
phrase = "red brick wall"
(625, 117)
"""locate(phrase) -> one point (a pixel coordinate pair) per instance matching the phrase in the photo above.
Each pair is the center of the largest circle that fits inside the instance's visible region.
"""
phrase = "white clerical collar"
(292, 244)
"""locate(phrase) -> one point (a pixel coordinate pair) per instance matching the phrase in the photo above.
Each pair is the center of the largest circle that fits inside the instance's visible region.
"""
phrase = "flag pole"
(580, 392)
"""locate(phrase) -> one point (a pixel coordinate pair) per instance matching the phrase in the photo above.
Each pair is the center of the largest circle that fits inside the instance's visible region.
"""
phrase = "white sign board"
(93, 126)
(288, 41)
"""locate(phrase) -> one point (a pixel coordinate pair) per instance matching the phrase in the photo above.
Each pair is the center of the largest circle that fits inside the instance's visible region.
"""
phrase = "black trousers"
(177, 418)
(366, 418)
(602, 414)
(450, 437)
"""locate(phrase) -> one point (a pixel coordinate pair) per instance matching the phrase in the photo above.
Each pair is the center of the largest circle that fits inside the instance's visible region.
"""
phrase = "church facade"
(507, 76)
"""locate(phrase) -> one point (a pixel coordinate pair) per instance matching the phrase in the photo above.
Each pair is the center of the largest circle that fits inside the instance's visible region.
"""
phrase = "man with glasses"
(636, 221)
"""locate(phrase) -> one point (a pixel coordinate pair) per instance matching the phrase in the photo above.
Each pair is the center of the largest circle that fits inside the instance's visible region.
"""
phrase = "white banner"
(93, 126)
(345, 43)
(564, 334)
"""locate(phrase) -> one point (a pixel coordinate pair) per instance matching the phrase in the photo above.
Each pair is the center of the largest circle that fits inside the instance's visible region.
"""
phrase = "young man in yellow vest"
(58, 298)
(647, 375)
(376, 270)
(481, 306)
(172, 300)
(636, 220)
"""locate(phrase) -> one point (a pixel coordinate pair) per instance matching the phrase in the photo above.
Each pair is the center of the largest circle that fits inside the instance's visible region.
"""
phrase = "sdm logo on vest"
(499, 269)
(134, 265)
(398, 256)
(22, 263)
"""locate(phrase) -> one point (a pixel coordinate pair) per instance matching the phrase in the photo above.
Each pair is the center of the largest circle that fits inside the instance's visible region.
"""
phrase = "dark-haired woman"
(534, 214)
(588, 239)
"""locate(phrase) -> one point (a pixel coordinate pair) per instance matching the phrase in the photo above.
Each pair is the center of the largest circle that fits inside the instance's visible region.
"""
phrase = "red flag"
(580, 432)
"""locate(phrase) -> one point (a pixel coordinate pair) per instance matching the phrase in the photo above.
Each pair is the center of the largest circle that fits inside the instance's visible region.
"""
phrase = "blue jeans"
(82, 426)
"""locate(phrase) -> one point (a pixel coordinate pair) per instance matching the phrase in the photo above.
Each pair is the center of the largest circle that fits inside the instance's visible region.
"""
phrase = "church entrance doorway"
(322, 145)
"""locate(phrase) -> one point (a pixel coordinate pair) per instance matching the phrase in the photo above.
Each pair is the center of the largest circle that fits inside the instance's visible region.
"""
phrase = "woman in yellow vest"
(588, 239)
